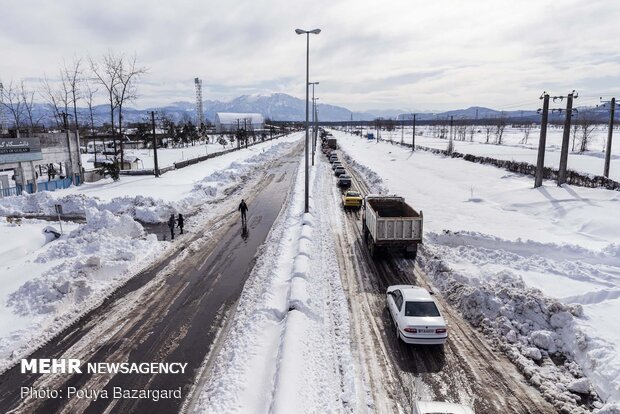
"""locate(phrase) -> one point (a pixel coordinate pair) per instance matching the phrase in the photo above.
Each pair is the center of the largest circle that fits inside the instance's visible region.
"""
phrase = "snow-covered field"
(512, 148)
(47, 284)
(165, 156)
(536, 269)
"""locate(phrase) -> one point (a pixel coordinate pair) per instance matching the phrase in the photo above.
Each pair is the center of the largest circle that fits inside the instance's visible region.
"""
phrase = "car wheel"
(397, 333)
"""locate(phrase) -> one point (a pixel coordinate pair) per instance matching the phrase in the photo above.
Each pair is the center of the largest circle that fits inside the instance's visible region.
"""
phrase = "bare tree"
(461, 130)
(126, 90)
(526, 129)
(488, 129)
(587, 123)
(107, 74)
(574, 129)
(89, 96)
(500, 126)
(472, 132)
(27, 97)
(11, 100)
(52, 98)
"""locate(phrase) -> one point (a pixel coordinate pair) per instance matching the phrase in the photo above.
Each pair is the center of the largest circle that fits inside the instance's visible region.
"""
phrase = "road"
(172, 312)
(466, 370)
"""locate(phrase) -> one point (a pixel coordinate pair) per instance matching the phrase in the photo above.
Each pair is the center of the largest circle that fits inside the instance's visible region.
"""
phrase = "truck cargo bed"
(392, 208)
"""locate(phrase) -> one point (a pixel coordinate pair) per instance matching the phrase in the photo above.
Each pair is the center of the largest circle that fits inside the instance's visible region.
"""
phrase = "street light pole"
(313, 126)
(307, 153)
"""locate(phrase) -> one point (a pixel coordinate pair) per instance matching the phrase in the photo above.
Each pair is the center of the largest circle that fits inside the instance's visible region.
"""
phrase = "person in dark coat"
(243, 208)
(180, 221)
(171, 223)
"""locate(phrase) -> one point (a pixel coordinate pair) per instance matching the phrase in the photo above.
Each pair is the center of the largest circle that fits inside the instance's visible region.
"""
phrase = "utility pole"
(156, 166)
(413, 135)
(610, 130)
(566, 139)
(540, 163)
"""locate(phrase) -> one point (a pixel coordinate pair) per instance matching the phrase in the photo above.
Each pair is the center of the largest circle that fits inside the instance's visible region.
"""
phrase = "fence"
(185, 163)
(42, 186)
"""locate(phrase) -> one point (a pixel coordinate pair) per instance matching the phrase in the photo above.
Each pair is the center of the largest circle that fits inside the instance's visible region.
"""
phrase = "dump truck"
(389, 223)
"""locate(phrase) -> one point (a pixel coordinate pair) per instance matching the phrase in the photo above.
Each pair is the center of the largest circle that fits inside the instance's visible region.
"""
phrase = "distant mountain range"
(283, 107)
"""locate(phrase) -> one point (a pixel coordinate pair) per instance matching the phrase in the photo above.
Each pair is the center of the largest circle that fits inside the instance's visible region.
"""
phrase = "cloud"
(402, 54)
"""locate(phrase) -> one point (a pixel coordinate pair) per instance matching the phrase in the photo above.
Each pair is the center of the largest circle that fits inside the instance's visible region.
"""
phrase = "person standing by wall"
(171, 223)
(180, 222)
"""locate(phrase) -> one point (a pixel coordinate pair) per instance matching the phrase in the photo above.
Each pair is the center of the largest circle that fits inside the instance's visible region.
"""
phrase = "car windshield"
(353, 194)
(421, 309)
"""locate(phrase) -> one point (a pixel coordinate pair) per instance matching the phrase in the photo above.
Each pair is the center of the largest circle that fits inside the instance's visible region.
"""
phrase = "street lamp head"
(315, 31)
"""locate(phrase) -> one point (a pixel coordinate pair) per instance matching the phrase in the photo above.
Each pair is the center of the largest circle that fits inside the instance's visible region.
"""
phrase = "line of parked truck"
(388, 222)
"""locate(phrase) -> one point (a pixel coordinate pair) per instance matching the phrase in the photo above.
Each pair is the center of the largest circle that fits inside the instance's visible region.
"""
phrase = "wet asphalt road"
(175, 324)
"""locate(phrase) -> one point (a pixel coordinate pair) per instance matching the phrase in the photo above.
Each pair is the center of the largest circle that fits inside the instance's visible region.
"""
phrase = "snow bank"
(532, 329)
(69, 276)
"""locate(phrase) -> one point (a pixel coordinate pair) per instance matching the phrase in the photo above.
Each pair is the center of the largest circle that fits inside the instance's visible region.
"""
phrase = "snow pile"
(286, 350)
(76, 273)
(533, 330)
(565, 328)
(42, 203)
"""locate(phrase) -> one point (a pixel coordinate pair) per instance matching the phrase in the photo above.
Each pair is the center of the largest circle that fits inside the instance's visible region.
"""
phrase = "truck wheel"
(412, 254)
(371, 248)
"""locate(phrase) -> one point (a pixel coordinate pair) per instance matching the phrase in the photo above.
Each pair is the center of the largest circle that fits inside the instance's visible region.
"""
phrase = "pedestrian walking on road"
(171, 223)
(180, 222)
(243, 208)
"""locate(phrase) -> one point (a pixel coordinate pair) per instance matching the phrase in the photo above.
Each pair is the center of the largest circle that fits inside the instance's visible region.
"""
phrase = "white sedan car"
(434, 407)
(416, 316)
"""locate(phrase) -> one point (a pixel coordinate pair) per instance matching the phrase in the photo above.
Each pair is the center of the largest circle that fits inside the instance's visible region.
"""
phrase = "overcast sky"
(410, 54)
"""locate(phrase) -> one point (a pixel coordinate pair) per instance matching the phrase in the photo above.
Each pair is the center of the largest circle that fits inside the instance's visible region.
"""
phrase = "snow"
(286, 350)
(512, 148)
(537, 270)
(60, 280)
(165, 156)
